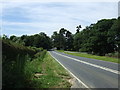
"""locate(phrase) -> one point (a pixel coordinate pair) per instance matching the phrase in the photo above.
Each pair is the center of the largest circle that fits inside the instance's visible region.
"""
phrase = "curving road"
(90, 72)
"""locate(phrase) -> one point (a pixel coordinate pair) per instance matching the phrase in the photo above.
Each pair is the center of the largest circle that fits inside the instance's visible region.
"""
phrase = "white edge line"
(97, 66)
(95, 59)
(70, 72)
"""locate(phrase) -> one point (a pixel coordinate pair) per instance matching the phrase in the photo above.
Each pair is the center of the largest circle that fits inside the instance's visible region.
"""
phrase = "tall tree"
(63, 39)
(55, 39)
(69, 41)
(78, 28)
(100, 38)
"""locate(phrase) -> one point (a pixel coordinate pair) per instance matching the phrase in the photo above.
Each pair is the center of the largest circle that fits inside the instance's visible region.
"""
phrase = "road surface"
(90, 72)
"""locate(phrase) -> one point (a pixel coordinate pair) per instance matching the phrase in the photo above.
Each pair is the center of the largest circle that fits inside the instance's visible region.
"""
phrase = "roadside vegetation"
(101, 38)
(30, 67)
(26, 63)
(52, 74)
(80, 54)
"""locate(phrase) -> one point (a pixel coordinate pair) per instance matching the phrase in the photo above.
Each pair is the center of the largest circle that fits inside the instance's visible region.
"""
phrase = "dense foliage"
(63, 39)
(40, 40)
(10, 50)
(100, 38)
(15, 64)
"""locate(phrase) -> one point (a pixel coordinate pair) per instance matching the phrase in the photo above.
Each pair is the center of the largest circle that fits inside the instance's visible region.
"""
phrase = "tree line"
(40, 40)
(100, 38)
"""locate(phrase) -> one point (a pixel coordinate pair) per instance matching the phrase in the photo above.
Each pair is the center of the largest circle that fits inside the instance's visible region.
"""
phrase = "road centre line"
(97, 66)
(70, 72)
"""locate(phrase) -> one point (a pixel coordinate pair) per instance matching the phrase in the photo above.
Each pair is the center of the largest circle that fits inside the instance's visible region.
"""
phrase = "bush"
(13, 72)
(11, 50)
(36, 49)
(116, 55)
(18, 65)
(41, 54)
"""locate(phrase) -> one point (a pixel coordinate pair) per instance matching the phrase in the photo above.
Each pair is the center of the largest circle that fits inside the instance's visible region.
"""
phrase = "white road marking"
(97, 66)
(70, 72)
(99, 60)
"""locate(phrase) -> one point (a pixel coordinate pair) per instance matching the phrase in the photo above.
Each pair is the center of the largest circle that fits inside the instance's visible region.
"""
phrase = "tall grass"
(30, 67)
(13, 72)
(46, 73)
(17, 69)
(19, 73)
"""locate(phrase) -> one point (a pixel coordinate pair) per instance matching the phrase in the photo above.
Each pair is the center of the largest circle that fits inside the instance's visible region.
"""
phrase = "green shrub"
(18, 64)
(41, 54)
(13, 72)
(36, 49)
(116, 55)
(11, 50)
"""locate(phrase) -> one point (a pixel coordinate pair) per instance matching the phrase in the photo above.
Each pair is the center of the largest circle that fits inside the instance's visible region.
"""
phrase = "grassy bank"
(104, 58)
(48, 74)
(15, 61)
(30, 67)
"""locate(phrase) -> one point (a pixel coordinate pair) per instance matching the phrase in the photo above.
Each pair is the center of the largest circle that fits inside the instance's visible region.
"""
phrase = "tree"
(69, 41)
(100, 38)
(63, 40)
(78, 28)
(37, 40)
(100, 44)
(5, 37)
(114, 35)
(12, 37)
(55, 39)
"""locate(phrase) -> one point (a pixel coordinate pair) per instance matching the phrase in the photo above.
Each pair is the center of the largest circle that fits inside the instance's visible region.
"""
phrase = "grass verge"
(47, 73)
(24, 67)
(103, 58)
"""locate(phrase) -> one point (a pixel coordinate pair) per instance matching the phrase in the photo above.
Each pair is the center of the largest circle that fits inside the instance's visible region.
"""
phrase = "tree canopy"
(99, 38)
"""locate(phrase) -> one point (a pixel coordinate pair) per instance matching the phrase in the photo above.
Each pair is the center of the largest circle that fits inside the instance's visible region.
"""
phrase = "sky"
(32, 17)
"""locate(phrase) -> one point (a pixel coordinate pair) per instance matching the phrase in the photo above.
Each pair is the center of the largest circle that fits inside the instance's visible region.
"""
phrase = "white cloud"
(49, 17)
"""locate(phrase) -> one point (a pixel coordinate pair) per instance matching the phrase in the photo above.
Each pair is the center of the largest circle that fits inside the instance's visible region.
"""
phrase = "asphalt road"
(93, 73)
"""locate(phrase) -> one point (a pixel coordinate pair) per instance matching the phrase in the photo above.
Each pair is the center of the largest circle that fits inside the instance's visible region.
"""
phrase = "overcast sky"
(20, 18)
